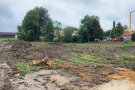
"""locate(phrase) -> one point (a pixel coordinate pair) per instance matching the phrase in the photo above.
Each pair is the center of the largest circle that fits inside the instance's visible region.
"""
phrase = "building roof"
(61, 31)
(128, 32)
(8, 33)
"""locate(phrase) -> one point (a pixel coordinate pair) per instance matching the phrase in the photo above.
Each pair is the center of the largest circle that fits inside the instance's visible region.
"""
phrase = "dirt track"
(62, 76)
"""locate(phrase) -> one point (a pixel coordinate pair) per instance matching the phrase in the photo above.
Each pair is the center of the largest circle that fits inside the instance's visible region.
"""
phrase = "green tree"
(113, 29)
(20, 33)
(107, 33)
(133, 37)
(90, 29)
(118, 30)
(29, 35)
(113, 24)
(57, 27)
(49, 31)
(68, 31)
(75, 35)
(36, 23)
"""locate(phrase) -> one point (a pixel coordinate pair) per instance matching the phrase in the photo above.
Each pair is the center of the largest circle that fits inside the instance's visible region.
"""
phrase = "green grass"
(85, 59)
(25, 68)
(125, 58)
(8, 39)
(57, 61)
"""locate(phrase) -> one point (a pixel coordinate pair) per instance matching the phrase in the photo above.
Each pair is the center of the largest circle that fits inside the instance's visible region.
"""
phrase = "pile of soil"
(25, 50)
(38, 50)
(22, 45)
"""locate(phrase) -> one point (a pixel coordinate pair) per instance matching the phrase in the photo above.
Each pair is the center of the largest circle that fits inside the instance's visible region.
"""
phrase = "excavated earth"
(65, 76)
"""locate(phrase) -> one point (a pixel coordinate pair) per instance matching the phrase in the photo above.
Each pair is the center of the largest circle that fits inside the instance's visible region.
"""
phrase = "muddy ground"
(65, 75)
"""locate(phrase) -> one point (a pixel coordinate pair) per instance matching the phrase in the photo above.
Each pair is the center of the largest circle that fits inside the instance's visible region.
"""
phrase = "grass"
(8, 39)
(126, 58)
(25, 68)
(85, 59)
(89, 60)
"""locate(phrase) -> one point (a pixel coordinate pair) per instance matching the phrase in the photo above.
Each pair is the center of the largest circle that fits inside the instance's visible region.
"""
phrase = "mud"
(63, 76)
(5, 84)
(44, 80)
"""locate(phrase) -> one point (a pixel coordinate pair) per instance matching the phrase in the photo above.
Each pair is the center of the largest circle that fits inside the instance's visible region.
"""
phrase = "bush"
(45, 39)
(133, 37)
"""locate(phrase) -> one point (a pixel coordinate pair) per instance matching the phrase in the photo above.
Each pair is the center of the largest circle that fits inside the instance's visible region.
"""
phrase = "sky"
(68, 12)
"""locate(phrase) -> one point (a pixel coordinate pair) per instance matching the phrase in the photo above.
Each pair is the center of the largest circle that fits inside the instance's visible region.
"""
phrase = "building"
(8, 35)
(127, 34)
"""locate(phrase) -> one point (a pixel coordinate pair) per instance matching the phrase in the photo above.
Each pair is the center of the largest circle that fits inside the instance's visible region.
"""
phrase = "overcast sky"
(68, 12)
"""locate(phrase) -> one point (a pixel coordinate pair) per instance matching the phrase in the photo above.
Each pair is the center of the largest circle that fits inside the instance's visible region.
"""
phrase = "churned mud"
(63, 76)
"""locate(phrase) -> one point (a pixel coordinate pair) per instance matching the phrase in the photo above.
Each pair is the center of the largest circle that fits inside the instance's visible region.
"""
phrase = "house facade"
(61, 32)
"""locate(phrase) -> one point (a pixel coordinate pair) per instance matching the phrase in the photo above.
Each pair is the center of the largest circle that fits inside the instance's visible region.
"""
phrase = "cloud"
(68, 12)
(5, 11)
(6, 17)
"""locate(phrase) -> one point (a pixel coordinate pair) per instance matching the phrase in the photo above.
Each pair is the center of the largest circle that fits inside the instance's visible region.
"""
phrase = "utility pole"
(131, 18)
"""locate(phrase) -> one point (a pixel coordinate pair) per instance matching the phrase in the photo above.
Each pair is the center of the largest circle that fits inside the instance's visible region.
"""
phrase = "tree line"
(38, 26)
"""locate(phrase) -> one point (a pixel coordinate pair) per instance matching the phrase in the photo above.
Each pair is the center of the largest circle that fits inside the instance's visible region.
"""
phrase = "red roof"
(128, 32)
(61, 31)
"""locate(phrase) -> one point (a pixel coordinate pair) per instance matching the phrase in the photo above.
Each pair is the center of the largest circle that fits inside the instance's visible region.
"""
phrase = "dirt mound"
(31, 51)
(25, 50)
(22, 45)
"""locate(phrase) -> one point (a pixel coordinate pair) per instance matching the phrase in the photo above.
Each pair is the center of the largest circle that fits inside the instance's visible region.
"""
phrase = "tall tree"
(57, 25)
(113, 24)
(118, 30)
(68, 31)
(90, 28)
(36, 23)
(113, 29)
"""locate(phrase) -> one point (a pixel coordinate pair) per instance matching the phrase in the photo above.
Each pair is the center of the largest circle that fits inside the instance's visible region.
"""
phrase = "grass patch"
(85, 59)
(57, 61)
(126, 58)
(9, 39)
(25, 68)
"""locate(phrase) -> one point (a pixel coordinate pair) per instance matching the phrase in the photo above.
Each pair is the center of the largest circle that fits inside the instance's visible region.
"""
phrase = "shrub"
(133, 37)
